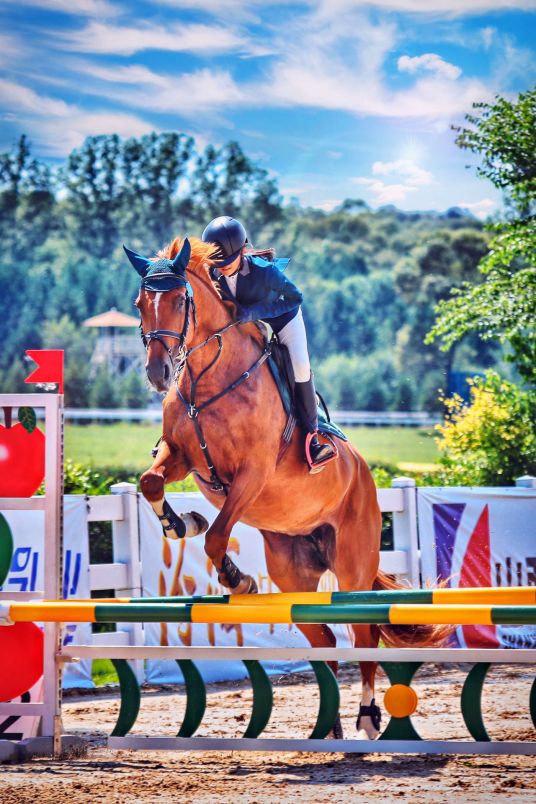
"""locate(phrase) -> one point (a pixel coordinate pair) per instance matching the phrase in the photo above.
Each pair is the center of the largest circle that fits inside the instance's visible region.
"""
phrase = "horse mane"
(203, 257)
(202, 253)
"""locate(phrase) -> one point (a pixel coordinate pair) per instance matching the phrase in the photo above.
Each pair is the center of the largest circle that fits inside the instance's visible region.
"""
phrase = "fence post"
(126, 550)
(405, 535)
(526, 482)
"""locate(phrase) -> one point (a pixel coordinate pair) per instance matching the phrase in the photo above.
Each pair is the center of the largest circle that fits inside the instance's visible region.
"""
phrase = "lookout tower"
(120, 351)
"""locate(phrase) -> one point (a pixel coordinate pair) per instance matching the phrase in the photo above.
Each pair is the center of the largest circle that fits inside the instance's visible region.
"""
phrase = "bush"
(492, 441)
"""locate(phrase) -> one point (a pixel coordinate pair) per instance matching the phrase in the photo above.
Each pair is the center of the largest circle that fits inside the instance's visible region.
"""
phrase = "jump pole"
(285, 613)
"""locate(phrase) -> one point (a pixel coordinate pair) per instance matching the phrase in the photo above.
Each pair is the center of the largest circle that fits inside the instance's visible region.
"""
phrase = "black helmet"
(228, 234)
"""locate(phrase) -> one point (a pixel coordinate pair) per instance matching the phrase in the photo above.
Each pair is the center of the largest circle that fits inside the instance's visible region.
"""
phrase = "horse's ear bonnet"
(162, 274)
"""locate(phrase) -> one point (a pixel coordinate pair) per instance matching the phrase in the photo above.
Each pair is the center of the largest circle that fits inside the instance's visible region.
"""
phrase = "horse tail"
(409, 636)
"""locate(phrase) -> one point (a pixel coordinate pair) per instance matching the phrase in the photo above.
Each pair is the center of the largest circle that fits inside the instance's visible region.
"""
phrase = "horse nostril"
(166, 372)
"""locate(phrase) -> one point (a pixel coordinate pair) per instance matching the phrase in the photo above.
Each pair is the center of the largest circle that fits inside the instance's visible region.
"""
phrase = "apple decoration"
(21, 648)
(22, 454)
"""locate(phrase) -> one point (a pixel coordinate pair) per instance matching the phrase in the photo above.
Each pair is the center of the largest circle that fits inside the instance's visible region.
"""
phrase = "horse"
(222, 421)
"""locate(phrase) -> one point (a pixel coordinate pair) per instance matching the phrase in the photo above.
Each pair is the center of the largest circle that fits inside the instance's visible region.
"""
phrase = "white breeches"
(293, 336)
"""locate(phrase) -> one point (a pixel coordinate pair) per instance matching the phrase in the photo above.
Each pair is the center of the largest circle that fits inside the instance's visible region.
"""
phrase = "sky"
(335, 98)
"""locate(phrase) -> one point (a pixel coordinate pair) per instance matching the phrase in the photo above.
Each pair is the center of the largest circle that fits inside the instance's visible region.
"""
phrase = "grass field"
(129, 445)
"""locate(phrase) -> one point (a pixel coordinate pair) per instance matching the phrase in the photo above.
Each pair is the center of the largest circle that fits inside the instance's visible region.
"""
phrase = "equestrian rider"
(261, 291)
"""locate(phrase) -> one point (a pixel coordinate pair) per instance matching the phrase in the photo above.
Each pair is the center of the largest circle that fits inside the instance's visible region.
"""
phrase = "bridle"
(179, 359)
(179, 350)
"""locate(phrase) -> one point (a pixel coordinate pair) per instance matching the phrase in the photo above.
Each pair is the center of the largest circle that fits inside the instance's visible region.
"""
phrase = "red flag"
(49, 366)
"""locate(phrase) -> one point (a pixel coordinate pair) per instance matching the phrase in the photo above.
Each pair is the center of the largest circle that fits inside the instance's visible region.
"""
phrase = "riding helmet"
(228, 234)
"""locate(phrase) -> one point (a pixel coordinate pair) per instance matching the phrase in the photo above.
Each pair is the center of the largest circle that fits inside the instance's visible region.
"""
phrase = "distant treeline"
(370, 279)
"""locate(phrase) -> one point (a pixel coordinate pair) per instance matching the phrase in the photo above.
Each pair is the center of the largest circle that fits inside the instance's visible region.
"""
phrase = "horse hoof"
(336, 731)
(247, 586)
(195, 524)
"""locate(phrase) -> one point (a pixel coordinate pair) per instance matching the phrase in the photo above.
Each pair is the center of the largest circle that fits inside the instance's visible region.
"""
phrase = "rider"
(261, 291)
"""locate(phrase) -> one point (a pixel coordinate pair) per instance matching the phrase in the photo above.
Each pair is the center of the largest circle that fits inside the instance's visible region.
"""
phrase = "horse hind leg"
(356, 567)
(369, 715)
(167, 467)
(295, 564)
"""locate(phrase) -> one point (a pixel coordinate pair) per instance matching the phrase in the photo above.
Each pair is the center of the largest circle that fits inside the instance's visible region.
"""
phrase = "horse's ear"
(140, 263)
(180, 263)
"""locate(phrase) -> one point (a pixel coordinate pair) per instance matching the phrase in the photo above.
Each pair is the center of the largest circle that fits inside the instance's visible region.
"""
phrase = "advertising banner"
(480, 537)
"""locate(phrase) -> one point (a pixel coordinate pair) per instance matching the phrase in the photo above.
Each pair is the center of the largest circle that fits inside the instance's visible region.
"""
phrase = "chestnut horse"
(309, 522)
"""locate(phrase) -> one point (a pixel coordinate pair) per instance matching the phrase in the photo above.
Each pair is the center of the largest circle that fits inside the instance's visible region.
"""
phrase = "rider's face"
(229, 270)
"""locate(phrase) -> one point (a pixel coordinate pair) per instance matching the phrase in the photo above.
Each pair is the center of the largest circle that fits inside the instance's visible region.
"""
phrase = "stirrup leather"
(320, 465)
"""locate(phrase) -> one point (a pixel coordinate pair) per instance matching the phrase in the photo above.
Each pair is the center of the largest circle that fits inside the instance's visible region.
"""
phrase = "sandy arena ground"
(131, 777)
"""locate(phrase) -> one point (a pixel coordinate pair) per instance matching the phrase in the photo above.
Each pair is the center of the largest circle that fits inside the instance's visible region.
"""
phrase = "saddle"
(281, 368)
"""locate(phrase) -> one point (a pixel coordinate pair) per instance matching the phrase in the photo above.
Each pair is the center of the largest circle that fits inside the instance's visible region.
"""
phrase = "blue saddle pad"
(324, 426)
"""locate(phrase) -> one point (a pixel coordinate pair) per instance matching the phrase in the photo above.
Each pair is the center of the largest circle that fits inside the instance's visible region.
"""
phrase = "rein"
(192, 409)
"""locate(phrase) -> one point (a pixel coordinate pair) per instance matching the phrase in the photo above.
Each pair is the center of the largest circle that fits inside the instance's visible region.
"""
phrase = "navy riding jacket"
(263, 292)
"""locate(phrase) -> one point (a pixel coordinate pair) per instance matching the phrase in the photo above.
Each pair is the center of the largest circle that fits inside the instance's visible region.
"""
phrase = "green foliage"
(134, 391)
(104, 392)
(78, 346)
(492, 441)
(504, 134)
(502, 307)
(369, 278)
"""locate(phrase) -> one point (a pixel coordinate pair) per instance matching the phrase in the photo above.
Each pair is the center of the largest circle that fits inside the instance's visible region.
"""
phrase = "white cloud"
(11, 50)
(446, 8)
(58, 127)
(82, 8)
(337, 61)
(481, 208)
(404, 167)
(188, 94)
(409, 177)
(329, 204)
(99, 37)
(130, 74)
(487, 36)
(17, 98)
(431, 62)
(385, 193)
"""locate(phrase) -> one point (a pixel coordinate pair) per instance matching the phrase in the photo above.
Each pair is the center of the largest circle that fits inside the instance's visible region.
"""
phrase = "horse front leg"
(244, 490)
(168, 466)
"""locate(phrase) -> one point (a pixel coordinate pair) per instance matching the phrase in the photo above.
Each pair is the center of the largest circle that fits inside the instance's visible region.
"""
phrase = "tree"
(493, 440)
(134, 391)
(78, 346)
(104, 393)
(503, 306)
(504, 134)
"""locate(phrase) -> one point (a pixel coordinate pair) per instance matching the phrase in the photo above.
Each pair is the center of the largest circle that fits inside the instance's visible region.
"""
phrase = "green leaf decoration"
(6, 549)
(28, 419)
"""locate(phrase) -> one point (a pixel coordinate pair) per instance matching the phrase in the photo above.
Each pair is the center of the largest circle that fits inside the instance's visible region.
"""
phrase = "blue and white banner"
(27, 570)
(480, 537)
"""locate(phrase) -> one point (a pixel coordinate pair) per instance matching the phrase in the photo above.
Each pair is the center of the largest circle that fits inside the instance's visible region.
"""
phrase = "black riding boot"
(307, 414)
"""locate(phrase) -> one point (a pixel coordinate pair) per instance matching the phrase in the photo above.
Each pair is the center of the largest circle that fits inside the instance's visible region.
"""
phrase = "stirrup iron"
(314, 468)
